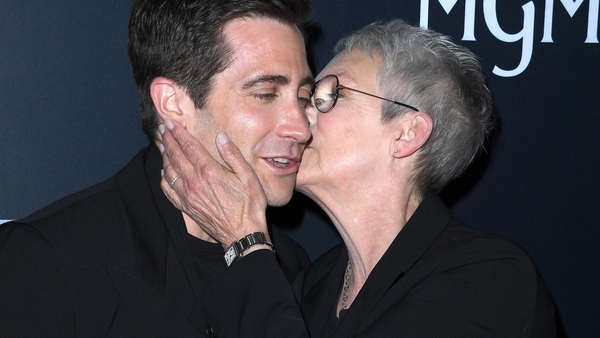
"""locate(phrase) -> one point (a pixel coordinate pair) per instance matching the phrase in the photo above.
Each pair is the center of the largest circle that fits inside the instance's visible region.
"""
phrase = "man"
(118, 259)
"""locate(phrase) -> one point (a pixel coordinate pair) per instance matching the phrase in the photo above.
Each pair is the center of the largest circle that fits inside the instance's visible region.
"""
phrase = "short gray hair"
(427, 70)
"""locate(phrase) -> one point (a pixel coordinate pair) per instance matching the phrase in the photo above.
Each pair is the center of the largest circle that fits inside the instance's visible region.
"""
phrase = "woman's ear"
(170, 100)
(413, 131)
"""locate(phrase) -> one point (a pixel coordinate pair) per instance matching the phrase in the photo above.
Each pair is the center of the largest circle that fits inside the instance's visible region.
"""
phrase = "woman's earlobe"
(414, 130)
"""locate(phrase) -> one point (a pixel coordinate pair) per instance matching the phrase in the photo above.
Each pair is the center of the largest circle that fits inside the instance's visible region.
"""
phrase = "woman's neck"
(368, 225)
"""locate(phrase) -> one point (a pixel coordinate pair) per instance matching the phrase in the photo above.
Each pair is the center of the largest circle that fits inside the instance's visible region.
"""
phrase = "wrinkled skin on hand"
(226, 203)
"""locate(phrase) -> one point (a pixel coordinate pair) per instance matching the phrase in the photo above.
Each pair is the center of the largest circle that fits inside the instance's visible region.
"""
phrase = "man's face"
(260, 101)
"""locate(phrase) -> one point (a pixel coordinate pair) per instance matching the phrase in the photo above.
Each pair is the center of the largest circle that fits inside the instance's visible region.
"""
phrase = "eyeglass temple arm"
(339, 86)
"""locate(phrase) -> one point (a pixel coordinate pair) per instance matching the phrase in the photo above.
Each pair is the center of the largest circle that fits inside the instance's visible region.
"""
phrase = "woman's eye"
(319, 102)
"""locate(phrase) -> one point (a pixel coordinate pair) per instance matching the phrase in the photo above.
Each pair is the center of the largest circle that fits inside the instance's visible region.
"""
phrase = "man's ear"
(412, 131)
(170, 100)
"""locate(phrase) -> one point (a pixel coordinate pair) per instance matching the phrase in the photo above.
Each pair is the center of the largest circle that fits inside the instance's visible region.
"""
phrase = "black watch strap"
(236, 250)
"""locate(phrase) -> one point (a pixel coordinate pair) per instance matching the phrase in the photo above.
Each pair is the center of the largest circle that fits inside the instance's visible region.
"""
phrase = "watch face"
(230, 256)
(237, 248)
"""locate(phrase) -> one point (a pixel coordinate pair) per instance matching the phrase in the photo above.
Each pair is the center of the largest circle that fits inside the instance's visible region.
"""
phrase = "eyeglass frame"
(340, 86)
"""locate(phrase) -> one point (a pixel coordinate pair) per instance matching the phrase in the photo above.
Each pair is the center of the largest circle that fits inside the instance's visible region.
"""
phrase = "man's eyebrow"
(309, 80)
(276, 79)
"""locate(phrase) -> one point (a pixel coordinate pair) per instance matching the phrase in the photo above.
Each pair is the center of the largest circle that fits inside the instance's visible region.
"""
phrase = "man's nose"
(295, 123)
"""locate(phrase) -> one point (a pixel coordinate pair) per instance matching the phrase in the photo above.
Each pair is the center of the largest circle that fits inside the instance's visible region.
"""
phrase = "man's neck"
(194, 229)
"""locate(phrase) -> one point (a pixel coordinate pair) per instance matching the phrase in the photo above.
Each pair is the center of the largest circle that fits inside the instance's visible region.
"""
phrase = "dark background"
(70, 118)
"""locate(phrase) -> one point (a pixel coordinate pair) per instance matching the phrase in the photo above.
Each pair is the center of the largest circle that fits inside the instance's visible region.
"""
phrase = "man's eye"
(304, 102)
(266, 97)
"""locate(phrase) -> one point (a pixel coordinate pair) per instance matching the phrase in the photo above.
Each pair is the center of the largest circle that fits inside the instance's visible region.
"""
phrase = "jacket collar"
(415, 238)
(153, 219)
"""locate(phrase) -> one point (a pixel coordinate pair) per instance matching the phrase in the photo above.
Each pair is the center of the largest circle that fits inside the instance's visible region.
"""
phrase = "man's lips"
(282, 162)
(279, 161)
(289, 161)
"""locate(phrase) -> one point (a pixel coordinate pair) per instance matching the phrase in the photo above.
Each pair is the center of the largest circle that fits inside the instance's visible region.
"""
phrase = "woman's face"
(348, 144)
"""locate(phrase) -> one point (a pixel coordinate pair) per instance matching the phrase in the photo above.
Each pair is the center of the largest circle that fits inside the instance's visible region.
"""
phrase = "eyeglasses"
(325, 94)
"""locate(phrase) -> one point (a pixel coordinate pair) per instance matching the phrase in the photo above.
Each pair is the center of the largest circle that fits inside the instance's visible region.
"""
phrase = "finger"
(178, 144)
(188, 147)
(232, 155)
(173, 151)
(243, 171)
(170, 192)
(168, 173)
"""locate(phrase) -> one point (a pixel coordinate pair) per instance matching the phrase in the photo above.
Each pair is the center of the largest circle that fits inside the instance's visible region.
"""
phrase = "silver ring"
(174, 180)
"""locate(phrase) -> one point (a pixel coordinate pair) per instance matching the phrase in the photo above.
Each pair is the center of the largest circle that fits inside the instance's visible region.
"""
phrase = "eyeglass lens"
(325, 93)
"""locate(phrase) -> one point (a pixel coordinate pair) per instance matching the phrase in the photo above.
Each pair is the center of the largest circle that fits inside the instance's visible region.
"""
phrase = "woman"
(396, 115)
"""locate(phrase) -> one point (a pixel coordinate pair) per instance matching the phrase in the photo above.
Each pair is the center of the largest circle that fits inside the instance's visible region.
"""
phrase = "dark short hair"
(427, 70)
(182, 40)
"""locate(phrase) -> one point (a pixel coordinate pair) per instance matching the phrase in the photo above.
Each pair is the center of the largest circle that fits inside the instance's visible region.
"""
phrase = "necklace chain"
(346, 285)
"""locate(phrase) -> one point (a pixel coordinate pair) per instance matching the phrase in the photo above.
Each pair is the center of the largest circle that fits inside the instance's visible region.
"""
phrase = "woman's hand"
(227, 204)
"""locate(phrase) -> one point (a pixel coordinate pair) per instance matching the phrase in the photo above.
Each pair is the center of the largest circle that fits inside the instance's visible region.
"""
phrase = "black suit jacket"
(439, 278)
(116, 260)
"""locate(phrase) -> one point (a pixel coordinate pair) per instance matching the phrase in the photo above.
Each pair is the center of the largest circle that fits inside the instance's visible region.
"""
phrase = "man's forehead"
(266, 51)
(262, 36)
(264, 24)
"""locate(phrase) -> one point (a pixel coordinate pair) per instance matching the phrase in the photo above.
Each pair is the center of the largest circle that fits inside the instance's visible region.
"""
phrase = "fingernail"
(161, 148)
(222, 138)
(169, 124)
(162, 172)
(161, 129)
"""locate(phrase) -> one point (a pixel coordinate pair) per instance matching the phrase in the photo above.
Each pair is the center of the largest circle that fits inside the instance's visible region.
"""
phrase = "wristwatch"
(236, 250)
